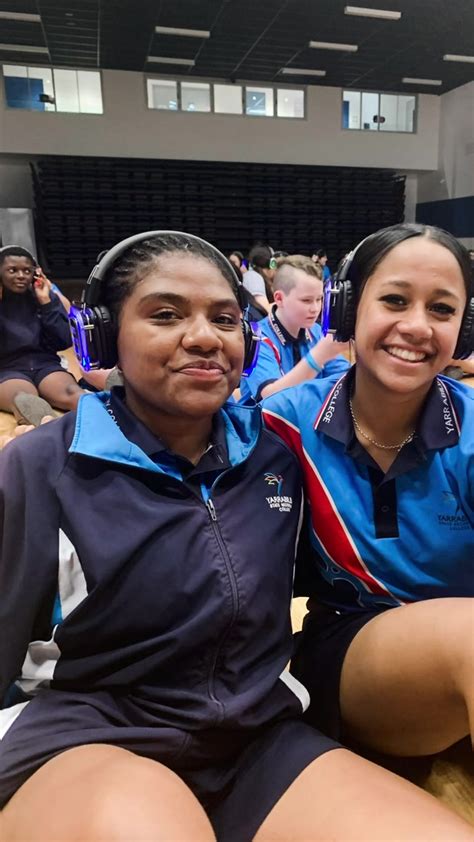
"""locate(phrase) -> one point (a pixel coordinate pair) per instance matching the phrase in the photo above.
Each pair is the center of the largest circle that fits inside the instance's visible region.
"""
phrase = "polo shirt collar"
(282, 333)
(438, 425)
(215, 458)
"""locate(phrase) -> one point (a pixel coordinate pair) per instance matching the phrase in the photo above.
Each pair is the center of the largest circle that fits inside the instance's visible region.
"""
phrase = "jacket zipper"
(235, 601)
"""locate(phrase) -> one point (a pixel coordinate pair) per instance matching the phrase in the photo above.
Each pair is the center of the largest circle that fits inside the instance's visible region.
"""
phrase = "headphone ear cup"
(250, 344)
(344, 311)
(105, 337)
(465, 344)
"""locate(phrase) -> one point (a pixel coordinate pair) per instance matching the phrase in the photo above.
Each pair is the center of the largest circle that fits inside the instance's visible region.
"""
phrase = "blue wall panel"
(455, 215)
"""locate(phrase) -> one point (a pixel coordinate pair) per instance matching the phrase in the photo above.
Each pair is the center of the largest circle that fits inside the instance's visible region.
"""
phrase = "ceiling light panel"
(361, 12)
(20, 16)
(187, 33)
(408, 80)
(328, 45)
(23, 48)
(301, 71)
(186, 62)
(450, 57)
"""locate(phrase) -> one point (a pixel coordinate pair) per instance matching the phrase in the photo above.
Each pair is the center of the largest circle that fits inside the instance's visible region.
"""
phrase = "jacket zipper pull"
(211, 509)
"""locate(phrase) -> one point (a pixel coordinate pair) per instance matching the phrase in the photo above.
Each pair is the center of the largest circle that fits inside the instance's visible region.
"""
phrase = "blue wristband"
(313, 364)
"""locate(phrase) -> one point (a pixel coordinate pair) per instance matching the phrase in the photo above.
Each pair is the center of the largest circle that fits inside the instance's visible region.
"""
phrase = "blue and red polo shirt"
(380, 539)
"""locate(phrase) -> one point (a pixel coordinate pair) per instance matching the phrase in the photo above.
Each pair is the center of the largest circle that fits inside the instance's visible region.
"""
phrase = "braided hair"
(139, 259)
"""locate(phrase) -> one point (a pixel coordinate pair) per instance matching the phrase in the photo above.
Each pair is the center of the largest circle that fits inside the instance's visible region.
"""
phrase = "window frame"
(243, 84)
(52, 68)
(379, 94)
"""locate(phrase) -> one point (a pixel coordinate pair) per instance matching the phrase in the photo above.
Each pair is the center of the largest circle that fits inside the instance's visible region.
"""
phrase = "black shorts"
(238, 776)
(31, 375)
(320, 650)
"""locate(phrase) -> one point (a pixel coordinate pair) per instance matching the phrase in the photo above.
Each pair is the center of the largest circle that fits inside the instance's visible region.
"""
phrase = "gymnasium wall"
(129, 129)
(446, 196)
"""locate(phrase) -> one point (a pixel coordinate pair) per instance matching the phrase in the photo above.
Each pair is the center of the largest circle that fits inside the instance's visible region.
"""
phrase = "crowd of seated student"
(156, 693)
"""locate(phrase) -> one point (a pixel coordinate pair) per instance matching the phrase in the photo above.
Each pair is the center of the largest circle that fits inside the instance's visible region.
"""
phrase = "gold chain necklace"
(396, 447)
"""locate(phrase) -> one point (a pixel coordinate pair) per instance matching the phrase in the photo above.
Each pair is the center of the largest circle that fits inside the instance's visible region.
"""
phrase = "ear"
(278, 297)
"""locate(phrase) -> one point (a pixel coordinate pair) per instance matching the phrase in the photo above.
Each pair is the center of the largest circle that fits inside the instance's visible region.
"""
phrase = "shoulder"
(299, 405)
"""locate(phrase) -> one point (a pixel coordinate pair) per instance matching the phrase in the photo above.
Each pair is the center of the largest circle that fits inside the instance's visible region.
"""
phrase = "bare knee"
(102, 792)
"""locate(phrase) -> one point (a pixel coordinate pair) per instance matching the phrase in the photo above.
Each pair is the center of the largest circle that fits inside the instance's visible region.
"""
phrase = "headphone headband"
(93, 328)
(92, 289)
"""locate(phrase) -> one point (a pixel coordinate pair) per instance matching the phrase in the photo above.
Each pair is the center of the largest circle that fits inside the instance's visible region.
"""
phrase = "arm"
(55, 333)
(26, 574)
(321, 354)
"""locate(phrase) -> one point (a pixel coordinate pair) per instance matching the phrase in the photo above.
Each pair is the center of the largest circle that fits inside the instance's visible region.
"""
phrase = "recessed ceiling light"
(327, 45)
(188, 62)
(359, 11)
(23, 48)
(301, 71)
(20, 16)
(450, 57)
(188, 33)
(408, 80)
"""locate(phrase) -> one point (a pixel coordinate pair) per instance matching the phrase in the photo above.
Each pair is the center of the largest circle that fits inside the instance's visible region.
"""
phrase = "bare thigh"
(8, 391)
(103, 793)
(407, 683)
(343, 798)
(61, 390)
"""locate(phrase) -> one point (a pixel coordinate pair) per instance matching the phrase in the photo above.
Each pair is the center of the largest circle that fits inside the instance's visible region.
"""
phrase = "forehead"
(193, 277)
(425, 258)
(306, 284)
(16, 260)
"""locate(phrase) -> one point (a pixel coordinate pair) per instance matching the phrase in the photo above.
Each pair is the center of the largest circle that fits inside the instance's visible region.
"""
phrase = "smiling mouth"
(205, 367)
(406, 355)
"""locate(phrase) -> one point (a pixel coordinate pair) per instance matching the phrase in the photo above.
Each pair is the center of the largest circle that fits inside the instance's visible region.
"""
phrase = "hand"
(42, 287)
(20, 430)
(327, 348)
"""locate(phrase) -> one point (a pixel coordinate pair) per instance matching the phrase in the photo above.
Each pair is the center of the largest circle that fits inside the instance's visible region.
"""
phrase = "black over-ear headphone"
(343, 307)
(94, 333)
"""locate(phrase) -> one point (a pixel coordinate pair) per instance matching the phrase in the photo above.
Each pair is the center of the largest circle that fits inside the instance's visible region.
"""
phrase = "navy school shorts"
(238, 776)
(32, 375)
(320, 650)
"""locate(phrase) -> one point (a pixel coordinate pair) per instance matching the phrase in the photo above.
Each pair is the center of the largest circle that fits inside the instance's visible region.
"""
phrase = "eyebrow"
(180, 300)
(407, 285)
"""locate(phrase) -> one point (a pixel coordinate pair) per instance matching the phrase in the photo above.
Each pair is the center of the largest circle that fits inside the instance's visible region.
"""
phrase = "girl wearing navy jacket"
(146, 574)
(33, 328)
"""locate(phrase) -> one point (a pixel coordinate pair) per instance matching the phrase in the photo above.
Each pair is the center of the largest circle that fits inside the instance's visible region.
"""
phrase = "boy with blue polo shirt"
(292, 348)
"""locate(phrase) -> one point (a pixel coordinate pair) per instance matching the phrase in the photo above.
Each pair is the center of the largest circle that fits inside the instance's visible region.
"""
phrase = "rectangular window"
(43, 89)
(162, 94)
(396, 113)
(259, 102)
(195, 96)
(351, 110)
(67, 93)
(228, 99)
(290, 103)
(370, 111)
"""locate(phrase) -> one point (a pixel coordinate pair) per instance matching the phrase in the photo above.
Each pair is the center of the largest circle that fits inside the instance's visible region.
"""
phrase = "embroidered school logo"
(278, 501)
(454, 519)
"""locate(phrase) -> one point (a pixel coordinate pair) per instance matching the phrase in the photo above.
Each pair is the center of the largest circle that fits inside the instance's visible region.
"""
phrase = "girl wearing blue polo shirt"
(388, 457)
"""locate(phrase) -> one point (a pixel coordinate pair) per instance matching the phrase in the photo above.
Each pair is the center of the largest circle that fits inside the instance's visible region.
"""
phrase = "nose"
(202, 335)
(415, 323)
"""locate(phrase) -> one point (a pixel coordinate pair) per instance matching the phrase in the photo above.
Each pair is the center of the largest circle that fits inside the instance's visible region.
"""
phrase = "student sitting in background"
(258, 280)
(292, 349)
(33, 328)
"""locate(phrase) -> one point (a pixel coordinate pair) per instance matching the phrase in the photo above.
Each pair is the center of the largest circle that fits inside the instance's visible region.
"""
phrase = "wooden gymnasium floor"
(449, 776)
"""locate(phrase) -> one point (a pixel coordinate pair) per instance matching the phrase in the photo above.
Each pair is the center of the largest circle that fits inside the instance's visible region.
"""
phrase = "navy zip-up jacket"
(118, 575)
(31, 332)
